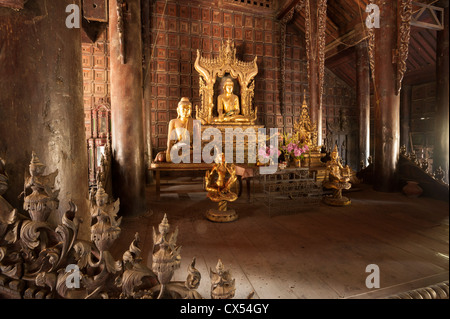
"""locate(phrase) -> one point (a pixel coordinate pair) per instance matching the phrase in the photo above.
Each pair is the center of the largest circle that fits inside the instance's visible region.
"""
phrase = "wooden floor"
(320, 253)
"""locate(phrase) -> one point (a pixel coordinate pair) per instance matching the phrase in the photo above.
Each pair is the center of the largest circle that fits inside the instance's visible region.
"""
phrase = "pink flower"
(291, 147)
(297, 152)
(262, 152)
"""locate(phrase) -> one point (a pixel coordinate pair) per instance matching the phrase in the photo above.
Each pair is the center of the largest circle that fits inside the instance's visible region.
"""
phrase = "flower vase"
(412, 189)
(287, 159)
(297, 162)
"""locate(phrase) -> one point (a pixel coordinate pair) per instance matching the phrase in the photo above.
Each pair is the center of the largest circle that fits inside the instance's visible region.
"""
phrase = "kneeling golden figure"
(218, 185)
(338, 179)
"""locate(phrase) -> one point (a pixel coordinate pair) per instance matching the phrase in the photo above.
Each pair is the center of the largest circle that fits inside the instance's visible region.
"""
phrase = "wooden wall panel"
(182, 29)
(189, 27)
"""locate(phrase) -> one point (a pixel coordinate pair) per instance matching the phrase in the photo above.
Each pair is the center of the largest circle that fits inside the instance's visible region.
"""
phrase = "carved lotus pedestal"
(222, 215)
(336, 201)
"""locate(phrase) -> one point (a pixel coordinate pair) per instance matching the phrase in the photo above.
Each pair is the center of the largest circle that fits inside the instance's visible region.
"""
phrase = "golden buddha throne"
(223, 72)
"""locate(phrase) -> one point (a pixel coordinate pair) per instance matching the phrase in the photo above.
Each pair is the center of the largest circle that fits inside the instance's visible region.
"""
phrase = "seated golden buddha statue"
(180, 131)
(338, 179)
(228, 104)
(218, 183)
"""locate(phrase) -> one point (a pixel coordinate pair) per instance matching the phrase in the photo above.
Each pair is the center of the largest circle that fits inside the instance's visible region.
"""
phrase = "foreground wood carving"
(39, 261)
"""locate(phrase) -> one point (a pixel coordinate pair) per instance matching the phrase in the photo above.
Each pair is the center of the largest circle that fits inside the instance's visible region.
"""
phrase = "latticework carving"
(437, 291)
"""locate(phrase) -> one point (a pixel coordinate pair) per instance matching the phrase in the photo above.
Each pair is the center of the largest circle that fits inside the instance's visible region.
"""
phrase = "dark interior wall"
(41, 100)
(423, 111)
(96, 75)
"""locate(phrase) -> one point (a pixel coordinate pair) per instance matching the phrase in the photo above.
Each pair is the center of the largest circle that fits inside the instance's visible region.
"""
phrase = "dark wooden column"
(147, 87)
(41, 102)
(387, 105)
(126, 107)
(363, 99)
(441, 141)
(405, 115)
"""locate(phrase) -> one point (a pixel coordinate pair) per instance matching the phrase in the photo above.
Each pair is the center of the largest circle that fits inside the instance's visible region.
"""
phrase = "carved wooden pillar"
(147, 86)
(405, 115)
(363, 100)
(315, 24)
(126, 105)
(441, 148)
(387, 101)
(41, 102)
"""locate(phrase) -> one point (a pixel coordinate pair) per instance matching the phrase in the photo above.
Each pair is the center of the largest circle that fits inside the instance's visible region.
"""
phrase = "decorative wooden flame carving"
(121, 29)
(40, 261)
(288, 17)
(405, 14)
(371, 46)
(322, 24)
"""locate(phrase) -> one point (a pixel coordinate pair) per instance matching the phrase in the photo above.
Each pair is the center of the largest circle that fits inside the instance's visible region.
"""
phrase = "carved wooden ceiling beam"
(288, 9)
(437, 13)
(13, 4)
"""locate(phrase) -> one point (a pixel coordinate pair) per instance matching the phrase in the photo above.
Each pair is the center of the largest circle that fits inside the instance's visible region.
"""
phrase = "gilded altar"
(234, 106)
(305, 132)
(227, 93)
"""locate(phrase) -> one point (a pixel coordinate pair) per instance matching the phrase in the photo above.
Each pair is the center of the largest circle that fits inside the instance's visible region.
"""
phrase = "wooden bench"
(157, 168)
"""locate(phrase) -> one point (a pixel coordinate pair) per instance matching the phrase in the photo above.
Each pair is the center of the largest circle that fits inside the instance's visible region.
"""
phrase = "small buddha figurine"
(338, 179)
(43, 198)
(180, 130)
(105, 224)
(439, 175)
(222, 283)
(166, 254)
(218, 185)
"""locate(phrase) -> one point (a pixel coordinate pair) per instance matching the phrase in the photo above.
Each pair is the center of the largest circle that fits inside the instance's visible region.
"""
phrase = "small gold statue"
(218, 185)
(305, 131)
(181, 128)
(338, 179)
